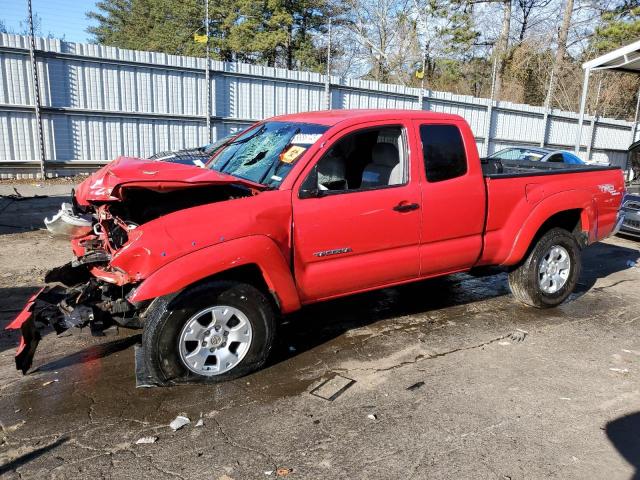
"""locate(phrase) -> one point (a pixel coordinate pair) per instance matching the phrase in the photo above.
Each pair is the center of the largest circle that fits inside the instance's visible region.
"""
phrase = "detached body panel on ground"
(304, 208)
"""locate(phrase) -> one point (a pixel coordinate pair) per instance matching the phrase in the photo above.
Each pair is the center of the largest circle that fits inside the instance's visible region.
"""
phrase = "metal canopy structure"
(624, 59)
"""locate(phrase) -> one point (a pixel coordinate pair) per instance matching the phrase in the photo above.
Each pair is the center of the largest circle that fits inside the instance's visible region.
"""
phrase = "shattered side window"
(266, 153)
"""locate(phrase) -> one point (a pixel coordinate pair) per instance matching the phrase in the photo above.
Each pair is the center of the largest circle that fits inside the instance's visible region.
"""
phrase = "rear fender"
(569, 200)
(257, 250)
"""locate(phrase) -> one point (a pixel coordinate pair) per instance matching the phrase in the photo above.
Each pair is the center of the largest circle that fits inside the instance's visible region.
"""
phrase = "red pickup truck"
(304, 208)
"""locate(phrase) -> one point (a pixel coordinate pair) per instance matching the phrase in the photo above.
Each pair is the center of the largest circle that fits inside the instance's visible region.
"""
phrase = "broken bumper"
(67, 223)
(37, 308)
(93, 303)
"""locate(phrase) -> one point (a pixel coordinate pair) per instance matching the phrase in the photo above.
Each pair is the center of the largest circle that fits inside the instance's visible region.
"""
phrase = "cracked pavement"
(561, 400)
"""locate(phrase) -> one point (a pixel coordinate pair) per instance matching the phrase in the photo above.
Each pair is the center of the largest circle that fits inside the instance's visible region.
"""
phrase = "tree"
(272, 32)
(619, 25)
(501, 48)
(561, 51)
(448, 35)
(529, 13)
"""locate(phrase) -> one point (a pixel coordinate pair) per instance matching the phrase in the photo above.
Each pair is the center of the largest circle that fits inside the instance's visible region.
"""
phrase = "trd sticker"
(608, 188)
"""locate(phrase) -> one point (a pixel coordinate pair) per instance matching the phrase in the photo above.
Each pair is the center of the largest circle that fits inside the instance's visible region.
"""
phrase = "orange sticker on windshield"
(291, 154)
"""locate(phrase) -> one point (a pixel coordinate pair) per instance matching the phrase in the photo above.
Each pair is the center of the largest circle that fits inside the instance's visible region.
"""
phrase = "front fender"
(569, 200)
(257, 250)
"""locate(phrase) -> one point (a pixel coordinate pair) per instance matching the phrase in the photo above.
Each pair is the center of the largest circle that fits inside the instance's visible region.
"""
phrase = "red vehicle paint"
(304, 245)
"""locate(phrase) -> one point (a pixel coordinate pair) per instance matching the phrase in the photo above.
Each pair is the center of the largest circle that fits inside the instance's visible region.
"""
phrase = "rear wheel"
(212, 332)
(550, 272)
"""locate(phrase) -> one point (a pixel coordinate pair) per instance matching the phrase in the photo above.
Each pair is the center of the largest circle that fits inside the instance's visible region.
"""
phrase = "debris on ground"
(415, 386)
(200, 422)
(146, 440)
(283, 471)
(179, 422)
(18, 196)
(268, 472)
(519, 335)
(372, 416)
(49, 382)
(333, 387)
(620, 370)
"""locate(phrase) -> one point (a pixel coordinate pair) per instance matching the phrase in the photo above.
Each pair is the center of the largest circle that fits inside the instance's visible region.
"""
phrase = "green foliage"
(271, 32)
(619, 26)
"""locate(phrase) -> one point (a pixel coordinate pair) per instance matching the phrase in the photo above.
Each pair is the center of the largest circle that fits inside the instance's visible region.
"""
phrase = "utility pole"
(594, 120)
(424, 66)
(327, 80)
(487, 137)
(36, 91)
(207, 68)
(634, 126)
(547, 107)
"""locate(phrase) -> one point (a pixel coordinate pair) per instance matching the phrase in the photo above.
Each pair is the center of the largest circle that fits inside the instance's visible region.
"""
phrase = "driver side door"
(361, 229)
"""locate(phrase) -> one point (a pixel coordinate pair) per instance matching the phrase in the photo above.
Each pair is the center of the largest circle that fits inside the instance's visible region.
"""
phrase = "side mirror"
(309, 188)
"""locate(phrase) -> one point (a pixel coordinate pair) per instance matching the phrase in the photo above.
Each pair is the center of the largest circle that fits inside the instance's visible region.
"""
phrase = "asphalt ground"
(448, 378)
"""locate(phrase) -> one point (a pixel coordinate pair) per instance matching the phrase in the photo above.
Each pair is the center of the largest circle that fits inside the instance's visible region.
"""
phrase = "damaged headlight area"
(93, 303)
(68, 222)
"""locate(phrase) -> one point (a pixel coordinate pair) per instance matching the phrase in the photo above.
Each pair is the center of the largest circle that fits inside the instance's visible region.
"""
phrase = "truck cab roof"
(334, 117)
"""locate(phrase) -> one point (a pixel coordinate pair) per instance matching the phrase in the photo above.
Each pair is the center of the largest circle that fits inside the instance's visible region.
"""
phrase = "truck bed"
(492, 168)
(518, 190)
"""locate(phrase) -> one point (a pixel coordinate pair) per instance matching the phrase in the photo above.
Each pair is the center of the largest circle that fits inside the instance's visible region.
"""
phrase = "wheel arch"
(574, 211)
(255, 260)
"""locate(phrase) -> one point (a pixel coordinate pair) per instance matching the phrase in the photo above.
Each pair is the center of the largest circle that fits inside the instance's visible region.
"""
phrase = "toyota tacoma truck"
(300, 209)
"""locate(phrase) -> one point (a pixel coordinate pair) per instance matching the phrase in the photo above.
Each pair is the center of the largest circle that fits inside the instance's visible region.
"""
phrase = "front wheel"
(212, 332)
(550, 272)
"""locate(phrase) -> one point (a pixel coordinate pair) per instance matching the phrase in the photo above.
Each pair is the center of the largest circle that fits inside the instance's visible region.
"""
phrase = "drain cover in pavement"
(332, 388)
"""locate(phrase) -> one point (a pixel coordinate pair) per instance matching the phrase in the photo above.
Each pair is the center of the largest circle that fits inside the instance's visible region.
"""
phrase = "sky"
(61, 18)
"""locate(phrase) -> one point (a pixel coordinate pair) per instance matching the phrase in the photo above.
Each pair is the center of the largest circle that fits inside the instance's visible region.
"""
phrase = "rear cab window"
(443, 152)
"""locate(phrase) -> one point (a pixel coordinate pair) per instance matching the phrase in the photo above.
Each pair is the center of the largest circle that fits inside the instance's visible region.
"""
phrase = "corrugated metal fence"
(101, 102)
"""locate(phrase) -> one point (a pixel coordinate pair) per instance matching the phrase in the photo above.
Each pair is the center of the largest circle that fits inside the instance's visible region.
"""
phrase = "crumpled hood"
(105, 184)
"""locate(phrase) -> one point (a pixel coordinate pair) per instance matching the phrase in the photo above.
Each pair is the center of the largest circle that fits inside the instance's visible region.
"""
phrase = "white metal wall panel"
(138, 103)
(516, 126)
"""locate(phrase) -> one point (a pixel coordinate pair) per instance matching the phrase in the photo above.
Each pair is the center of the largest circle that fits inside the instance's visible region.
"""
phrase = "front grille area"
(631, 224)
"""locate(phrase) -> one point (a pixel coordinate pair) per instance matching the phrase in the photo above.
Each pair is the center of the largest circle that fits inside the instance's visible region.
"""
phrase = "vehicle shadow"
(624, 434)
(601, 260)
(91, 353)
(32, 455)
(320, 323)
(22, 214)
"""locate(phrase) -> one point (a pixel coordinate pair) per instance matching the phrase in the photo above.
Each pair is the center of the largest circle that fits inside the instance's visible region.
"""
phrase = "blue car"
(537, 155)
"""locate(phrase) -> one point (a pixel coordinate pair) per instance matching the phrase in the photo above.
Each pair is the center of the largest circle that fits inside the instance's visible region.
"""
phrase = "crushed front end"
(125, 221)
(85, 292)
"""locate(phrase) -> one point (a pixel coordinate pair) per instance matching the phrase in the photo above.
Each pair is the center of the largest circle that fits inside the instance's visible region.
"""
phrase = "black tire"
(524, 278)
(167, 316)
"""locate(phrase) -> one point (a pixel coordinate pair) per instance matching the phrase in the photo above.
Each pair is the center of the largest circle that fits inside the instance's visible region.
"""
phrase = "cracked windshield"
(265, 154)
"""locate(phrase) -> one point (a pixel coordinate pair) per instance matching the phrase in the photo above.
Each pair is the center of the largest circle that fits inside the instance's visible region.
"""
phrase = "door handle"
(406, 207)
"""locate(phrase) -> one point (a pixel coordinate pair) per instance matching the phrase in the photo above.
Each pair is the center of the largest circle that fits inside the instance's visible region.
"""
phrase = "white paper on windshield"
(305, 138)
